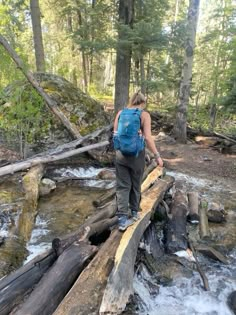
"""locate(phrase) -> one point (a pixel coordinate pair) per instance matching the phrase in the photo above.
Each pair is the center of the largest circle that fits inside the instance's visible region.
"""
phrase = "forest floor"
(199, 161)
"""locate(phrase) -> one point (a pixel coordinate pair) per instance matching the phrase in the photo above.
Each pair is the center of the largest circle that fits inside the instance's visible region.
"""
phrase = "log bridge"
(79, 274)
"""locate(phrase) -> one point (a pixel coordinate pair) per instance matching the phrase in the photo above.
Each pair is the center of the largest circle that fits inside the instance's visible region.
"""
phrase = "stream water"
(63, 210)
(186, 296)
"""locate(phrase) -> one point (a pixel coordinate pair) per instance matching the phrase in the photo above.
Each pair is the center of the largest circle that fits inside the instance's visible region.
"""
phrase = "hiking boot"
(135, 215)
(124, 222)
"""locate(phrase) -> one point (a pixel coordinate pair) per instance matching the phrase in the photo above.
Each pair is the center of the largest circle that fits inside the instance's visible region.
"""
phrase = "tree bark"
(186, 79)
(37, 35)
(123, 56)
(52, 105)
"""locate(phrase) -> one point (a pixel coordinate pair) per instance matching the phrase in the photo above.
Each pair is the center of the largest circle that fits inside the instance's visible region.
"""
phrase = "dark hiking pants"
(129, 174)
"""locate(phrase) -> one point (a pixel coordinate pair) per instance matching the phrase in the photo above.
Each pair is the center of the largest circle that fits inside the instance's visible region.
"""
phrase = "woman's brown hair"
(137, 98)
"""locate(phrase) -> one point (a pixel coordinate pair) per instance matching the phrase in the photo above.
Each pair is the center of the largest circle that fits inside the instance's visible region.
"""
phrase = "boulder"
(46, 186)
(80, 108)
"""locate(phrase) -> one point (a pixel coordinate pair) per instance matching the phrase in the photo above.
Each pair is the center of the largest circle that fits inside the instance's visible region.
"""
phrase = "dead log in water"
(193, 216)
(31, 183)
(120, 282)
(203, 226)
(176, 234)
(86, 294)
(14, 287)
(56, 283)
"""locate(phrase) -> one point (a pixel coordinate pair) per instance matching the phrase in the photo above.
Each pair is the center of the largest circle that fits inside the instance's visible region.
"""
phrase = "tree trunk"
(142, 76)
(37, 35)
(84, 65)
(123, 56)
(52, 105)
(186, 79)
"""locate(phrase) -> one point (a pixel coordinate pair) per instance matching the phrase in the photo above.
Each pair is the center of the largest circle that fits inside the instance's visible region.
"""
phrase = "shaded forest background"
(80, 40)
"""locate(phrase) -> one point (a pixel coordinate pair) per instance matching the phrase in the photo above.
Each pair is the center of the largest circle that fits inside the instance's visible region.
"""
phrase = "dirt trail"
(199, 161)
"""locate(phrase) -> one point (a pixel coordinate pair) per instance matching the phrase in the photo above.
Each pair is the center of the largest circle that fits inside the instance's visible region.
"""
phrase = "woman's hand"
(159, 161)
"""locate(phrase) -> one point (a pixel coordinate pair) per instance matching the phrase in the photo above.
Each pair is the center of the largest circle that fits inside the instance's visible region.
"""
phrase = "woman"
(129, 169)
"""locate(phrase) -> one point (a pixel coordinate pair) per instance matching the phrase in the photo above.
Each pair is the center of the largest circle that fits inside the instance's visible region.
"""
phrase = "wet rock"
(231, 301)
(216, 213)
(46, 186)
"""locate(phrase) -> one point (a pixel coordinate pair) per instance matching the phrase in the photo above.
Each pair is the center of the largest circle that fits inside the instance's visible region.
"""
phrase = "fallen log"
(120, 282)
(199, 269)
(152, 178)
(16, 285)
(176, 234)
(193, 216)
(211, 253)
(53, 287)
(203, 226)
(31, 183)
(52, 104)
(86, 294)
(23, 165)
(105, 198)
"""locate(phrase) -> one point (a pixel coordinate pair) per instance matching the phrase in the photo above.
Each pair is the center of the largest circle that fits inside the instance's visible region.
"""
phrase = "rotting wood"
(86, 294)
(56, 283)
(31, 183)
(120, 282)
(52, 104)
(23, 165)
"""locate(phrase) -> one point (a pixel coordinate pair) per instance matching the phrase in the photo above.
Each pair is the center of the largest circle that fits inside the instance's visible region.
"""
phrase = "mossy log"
(31, 183)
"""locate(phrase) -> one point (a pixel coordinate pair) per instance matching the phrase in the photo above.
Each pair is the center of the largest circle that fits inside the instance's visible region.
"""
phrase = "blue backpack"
(128, 139)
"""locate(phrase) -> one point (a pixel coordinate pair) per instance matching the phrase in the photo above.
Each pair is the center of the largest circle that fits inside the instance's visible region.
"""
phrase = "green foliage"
(22, 113)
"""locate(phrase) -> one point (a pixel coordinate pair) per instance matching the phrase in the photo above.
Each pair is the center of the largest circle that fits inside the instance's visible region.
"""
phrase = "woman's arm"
(146, 122)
